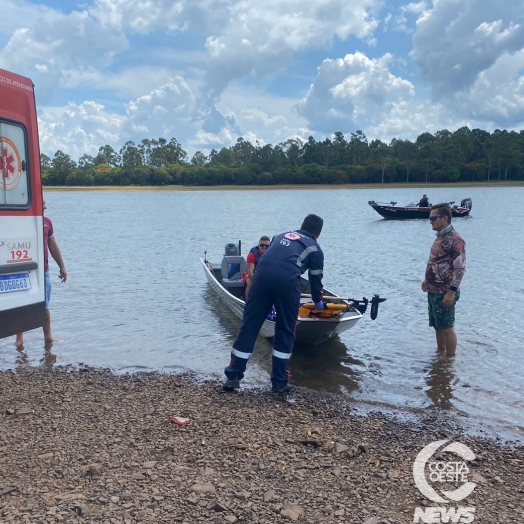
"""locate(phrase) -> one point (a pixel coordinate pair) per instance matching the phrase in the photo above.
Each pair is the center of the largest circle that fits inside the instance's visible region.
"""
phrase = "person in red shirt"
(252, 260)
(50, 246)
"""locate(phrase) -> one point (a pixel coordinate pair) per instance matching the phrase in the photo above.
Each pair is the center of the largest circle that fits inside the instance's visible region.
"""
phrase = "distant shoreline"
(513, 183)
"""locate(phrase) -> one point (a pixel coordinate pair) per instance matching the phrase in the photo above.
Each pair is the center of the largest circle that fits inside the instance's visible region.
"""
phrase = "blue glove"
(319, 305)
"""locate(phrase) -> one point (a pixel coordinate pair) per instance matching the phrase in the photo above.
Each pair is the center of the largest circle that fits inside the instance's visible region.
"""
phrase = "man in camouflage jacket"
(444, 272)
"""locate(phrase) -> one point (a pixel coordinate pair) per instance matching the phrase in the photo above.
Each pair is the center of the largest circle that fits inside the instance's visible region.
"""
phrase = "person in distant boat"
(424, 202)
(444, 273)
(50, 246)
(277, 282)
(252, 260)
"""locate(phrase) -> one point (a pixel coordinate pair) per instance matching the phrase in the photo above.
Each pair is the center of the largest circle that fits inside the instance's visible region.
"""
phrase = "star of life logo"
(433, 476)
(10, 164)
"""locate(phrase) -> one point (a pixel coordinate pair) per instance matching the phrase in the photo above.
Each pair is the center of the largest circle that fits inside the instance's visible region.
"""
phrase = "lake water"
(137, 298)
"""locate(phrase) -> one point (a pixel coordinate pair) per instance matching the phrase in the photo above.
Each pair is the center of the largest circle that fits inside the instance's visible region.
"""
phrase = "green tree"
(131, 157)
(107, 155)
(160, 177)
(426, 144)
(358, 147)
(103, 177)
(145, 147)
(380, 154)
(406, 152)
(463, 142)
(508, 147)
(490, 152)
(86, 162)
(61, 167)
(199, 159)
(340, 149)
(265, 178)
(268, 159)
(225, 157)
(243, 152)
(327, 152)
(141, 176)
(176, 154)
(311, 153)
(45, 162)
(292, 149)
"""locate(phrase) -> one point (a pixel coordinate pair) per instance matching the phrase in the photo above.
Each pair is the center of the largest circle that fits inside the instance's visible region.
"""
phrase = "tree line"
(462, 155)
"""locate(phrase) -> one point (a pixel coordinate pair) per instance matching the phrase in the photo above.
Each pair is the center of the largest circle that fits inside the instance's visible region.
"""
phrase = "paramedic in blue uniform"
(277, 282)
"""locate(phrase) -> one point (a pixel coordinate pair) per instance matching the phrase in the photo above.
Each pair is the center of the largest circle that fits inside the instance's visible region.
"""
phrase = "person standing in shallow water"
(50, 246)
(444, 273)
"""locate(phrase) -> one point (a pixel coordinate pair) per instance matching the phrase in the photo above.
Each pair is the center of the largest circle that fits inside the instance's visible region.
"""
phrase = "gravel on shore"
(89, 446)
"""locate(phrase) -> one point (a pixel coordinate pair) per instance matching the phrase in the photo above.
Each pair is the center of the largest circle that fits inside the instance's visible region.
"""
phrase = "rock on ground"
(92, 447)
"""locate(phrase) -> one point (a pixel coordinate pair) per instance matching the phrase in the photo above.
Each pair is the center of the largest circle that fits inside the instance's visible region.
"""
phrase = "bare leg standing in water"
(50, 246)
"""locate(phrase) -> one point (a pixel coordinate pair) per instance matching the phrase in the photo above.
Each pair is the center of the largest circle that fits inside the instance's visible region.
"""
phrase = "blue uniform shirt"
(295, 252)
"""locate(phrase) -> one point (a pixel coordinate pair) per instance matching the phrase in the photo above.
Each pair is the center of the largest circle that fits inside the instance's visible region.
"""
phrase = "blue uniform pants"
(279, 288)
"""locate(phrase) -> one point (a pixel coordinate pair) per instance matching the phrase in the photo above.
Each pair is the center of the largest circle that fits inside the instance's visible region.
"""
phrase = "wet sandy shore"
(88, 446)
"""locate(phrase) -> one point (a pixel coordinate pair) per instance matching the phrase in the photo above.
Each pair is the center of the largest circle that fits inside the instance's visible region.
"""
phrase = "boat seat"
(233, 267)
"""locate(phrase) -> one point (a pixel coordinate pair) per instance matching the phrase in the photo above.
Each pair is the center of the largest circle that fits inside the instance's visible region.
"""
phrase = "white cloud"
(497, 96)
(206, 141)
(171, 111)
(269, 118)
(74, 40)
(407, 119)
(263, 38)
(242, 37)
(261, 118)
(138, 16)
(470, 52)
(78, 128)
(127, 83)
(456, 40)
(353, 92)
(246, 36)
(399, 22)
(415, 8)
(47, 45)
(82, 128)
(164, 111)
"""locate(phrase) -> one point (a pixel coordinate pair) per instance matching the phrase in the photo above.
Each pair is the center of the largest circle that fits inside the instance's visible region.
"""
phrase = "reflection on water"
(137, 298)
(47, 361)
(439, 380)
(326, 368)
(22, 359)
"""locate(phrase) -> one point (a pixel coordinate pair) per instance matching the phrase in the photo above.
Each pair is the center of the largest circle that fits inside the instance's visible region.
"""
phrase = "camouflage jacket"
(447, 262)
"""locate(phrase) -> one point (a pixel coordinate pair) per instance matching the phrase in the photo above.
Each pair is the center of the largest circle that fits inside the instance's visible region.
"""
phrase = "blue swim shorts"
(47, 282)
(441, 317)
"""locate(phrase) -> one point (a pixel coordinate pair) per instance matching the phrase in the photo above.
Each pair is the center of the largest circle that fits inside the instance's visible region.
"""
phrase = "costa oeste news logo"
(432, 477)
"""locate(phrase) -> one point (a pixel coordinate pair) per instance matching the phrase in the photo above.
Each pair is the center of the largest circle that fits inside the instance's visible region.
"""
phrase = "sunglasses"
(432, 219)
(264, 246)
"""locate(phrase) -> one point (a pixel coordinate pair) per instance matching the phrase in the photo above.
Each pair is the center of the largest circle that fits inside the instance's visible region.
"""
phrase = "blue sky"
(209, 71)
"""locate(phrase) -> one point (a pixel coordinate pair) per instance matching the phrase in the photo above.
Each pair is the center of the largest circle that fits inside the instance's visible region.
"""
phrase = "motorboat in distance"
(392, 211)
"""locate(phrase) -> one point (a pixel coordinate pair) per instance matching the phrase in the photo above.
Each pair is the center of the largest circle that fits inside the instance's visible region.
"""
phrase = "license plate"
(18, 282)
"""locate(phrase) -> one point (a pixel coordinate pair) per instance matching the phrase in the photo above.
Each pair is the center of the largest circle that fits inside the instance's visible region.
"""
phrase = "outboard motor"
(231, 250)
(375, 301)
(467, 203)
